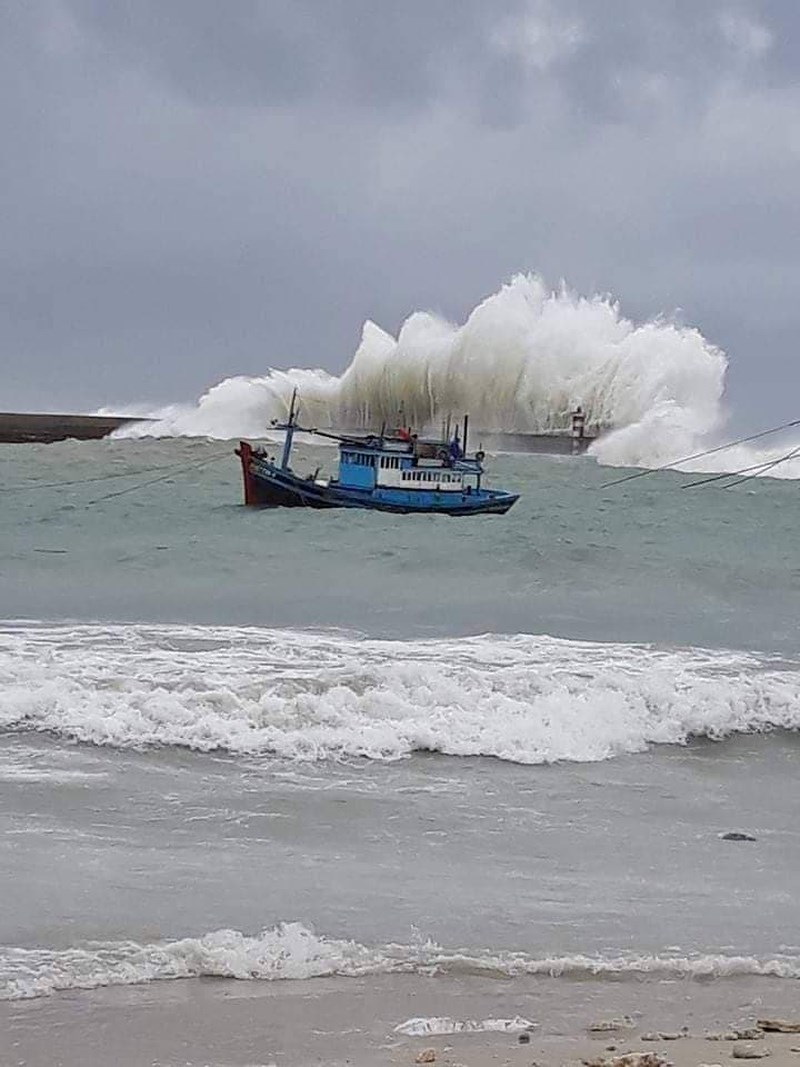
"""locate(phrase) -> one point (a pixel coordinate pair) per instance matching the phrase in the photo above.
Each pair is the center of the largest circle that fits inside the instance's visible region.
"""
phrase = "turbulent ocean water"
(276, 745)
(339, 745)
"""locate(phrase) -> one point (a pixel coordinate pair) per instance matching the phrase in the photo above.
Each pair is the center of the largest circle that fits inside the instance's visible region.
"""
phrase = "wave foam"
(520, 363)
(292, 951)
(302, 695)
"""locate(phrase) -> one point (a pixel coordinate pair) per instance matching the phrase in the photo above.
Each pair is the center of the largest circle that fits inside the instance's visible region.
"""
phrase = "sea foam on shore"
(292, 951)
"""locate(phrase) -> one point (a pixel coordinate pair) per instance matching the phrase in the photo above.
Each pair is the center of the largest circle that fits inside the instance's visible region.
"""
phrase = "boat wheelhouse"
(382, 472)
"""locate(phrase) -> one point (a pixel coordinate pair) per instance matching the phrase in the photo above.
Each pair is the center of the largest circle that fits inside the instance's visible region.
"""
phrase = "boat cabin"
(394, 463)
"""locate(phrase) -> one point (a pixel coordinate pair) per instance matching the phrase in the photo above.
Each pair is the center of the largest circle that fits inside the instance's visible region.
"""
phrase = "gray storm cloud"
(197, 190)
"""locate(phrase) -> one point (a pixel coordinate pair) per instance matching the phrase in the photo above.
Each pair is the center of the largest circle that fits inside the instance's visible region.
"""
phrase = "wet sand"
(353, 1021)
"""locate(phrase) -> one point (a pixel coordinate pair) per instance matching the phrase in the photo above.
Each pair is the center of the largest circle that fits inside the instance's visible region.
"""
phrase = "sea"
(290, 786)
(269, 747)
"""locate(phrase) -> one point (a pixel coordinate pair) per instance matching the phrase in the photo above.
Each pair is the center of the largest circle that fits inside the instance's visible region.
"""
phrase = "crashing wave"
(301, 695)
(292, 951)
(525, 357)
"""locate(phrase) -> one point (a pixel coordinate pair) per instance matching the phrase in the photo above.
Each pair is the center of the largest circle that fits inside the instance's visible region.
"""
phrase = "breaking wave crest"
(525, 357)
(291, 951)
(303, 695)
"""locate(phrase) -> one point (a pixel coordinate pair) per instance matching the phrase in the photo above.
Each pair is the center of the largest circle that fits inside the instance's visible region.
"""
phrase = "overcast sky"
(197, 188)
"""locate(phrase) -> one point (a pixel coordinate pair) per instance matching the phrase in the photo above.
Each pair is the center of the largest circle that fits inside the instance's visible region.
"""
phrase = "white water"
(304, 695)
(525, 357)
(294, 952)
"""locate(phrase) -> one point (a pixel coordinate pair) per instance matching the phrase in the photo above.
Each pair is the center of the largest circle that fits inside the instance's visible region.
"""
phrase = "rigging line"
(726, 474)
(699, 455)
(782, 459)
(152, 481)
(95, 478)
(84, 481)
(759, 468)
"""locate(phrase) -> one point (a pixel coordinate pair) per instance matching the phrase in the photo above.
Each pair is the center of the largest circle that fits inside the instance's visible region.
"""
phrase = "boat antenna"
(464, 439)
(700, 455)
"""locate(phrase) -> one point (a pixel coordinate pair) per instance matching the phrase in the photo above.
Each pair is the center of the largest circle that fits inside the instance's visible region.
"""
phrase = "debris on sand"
(610, 1026)
(630, 1059)
(749, 1052)
(747, 1033)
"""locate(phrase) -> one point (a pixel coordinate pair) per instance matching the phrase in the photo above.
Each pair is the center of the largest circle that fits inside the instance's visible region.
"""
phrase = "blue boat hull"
(267, 486)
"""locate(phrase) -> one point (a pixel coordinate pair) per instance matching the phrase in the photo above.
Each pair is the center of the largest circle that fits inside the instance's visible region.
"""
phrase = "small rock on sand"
(749, 1052)
(428, 1055)
(630, 1059)
(666, 1035)
(748, 1033)
(608, 1026)
(736, 835)
(779, 1026)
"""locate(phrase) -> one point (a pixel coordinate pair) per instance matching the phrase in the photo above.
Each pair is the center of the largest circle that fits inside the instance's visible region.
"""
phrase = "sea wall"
(19, 428)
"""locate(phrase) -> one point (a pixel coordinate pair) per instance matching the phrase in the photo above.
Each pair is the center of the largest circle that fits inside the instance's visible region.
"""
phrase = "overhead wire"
(165, 472)
(153, 481)
(84, 481)
(724, 475)
(700, 455)
(768, 467)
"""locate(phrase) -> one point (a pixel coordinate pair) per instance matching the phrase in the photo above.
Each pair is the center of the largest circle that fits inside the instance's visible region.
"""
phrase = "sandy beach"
(200, 1023)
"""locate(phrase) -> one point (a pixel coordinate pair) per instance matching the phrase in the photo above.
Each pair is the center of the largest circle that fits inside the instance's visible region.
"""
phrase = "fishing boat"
(394, 471)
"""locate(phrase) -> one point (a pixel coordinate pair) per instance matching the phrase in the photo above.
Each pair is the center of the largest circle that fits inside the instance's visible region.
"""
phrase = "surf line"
(767, 465)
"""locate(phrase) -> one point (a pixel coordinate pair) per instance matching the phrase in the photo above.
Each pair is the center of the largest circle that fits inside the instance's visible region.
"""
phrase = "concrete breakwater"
(20, 428)
(559, 444)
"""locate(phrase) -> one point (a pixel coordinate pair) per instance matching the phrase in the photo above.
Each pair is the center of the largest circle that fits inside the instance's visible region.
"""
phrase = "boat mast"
(290, 428)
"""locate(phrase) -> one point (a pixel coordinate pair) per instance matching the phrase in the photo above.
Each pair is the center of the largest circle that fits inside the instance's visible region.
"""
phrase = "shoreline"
(241, 1023)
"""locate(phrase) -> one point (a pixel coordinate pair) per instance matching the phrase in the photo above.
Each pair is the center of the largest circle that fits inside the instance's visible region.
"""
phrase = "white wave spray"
(301, 695)
(292, 951)
(525, 357)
